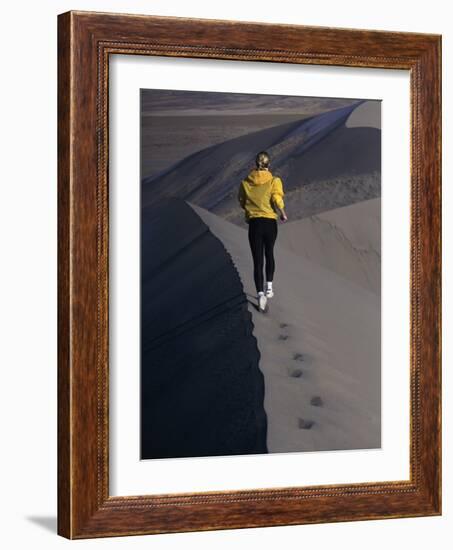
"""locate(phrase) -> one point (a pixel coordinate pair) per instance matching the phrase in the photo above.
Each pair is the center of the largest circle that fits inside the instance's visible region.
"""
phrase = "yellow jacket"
(259, 193)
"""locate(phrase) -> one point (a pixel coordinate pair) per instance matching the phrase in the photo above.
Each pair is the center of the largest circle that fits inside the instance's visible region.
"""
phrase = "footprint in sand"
(303, 358)
(296, 373)
(316, 401)
(305, 424)
(284, 332)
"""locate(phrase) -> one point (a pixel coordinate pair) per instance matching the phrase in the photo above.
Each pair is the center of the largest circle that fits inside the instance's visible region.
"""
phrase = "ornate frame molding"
(85, 41)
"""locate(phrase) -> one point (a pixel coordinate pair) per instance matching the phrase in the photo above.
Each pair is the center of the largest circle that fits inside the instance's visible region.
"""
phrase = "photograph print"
(260, 274)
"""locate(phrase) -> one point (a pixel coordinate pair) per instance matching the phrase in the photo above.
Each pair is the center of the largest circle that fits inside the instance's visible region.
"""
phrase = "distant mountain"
(183, 103)
(324, 164)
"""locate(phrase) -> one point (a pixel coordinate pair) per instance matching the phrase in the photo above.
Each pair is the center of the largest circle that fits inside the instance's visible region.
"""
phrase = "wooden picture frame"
(85, 42)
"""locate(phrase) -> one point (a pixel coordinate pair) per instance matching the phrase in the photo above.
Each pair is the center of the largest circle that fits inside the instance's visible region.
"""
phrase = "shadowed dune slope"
(305, 153)
(201, 388)
(320, 350)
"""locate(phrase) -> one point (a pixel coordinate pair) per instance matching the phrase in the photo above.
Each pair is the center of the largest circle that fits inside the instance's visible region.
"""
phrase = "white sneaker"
(269, 291)
(262, 302)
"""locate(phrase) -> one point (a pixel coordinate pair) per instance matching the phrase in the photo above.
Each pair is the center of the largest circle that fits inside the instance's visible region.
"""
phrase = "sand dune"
(166, 140)
(202, 389)
(368, 114)
(345, 240)
(321, 196)
(320, 350)
(309, 154)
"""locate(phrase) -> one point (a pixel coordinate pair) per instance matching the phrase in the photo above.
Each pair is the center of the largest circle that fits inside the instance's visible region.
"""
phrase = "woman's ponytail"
(262, 160)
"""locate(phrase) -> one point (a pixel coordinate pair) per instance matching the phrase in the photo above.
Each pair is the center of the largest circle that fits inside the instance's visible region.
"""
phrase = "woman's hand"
(283, 216)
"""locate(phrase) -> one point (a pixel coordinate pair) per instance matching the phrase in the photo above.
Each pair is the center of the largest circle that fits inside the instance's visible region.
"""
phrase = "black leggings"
(262, 235)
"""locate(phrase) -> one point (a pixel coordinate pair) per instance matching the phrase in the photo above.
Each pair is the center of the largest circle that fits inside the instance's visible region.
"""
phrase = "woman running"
(261, 196)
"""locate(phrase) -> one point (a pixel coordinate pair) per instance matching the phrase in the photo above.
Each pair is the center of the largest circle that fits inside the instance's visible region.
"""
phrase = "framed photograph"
(249, 274)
